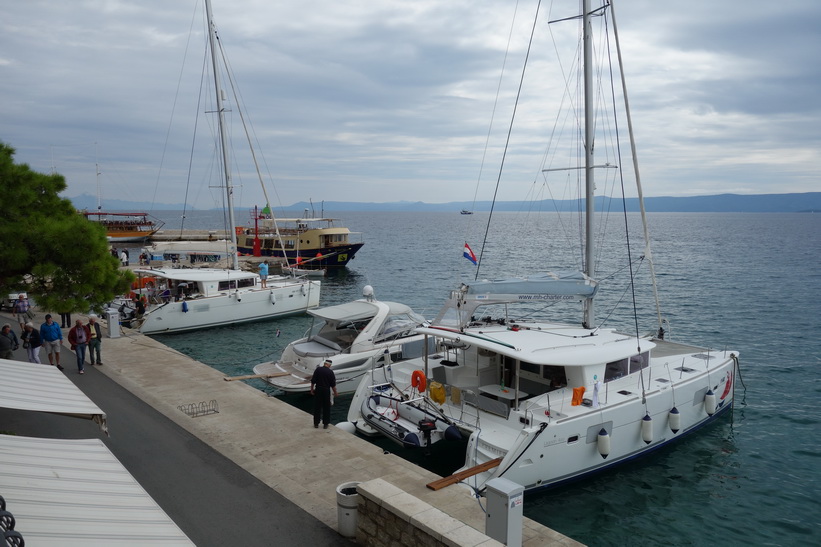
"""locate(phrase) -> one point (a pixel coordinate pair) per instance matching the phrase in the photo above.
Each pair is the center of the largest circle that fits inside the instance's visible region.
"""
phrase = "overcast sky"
(385, 100)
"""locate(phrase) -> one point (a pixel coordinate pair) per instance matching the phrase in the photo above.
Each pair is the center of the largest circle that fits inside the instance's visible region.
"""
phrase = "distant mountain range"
(721, 203)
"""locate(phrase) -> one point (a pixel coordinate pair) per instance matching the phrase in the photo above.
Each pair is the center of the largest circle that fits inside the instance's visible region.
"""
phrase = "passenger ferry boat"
(306, 242)
(125, 227)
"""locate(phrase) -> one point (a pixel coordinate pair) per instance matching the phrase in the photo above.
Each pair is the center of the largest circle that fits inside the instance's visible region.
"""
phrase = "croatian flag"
(469, 253)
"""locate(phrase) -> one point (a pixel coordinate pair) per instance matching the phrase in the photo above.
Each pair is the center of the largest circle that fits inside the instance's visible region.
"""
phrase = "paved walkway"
(254, 473)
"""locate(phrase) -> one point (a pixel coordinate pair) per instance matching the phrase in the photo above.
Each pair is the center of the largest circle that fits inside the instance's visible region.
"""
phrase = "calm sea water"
(748, 282)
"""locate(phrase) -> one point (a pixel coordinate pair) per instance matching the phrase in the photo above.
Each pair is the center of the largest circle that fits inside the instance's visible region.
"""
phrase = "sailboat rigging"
(541, 401)
(188, 299)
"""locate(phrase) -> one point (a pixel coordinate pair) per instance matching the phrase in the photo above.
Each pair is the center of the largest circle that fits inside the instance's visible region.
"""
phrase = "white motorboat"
(356, 337)
(542, 402)
(187, 299)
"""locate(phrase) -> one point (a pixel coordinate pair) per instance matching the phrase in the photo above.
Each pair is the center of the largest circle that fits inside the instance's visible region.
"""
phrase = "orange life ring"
(418, 380)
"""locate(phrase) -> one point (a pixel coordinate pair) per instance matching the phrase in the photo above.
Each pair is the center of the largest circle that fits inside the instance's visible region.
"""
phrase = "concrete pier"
(274, 441)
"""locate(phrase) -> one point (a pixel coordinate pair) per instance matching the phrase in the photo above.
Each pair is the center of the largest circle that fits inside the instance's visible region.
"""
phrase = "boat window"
(235, 283)
(555, 375)
(616, 369)
(247, 282)
(399, 326)
(640, 361)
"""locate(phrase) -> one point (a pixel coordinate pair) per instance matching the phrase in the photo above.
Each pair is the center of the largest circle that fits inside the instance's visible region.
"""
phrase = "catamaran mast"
(590, 205)
(229, 189)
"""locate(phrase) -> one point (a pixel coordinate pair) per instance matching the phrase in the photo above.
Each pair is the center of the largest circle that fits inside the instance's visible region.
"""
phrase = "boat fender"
(603, 443)
(348, 427)
(647, 429)
(674, 420)
(418, 380)
(184, 306)
(710, 402)
(412, 440)
(452, 433)
(273, 298)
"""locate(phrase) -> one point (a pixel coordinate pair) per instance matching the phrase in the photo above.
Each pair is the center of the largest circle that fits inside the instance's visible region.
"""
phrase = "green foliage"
(47, 248)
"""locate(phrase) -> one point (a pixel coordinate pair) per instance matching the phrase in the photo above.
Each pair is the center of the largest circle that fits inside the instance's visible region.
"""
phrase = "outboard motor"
(426, 426)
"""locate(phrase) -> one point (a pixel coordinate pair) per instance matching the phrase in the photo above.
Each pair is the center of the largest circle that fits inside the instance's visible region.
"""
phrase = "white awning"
(70, 492)
(43, 388)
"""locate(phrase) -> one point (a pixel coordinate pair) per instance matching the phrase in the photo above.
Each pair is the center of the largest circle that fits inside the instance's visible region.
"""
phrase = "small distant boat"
(466, 212)
(357, 336)
(125, 227)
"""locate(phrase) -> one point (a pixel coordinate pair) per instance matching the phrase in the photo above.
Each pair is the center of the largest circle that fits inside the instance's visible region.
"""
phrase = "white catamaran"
(539, 401)
(187, 299)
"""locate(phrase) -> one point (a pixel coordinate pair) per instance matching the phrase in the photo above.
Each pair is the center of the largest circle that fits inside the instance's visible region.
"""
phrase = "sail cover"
(547, 286)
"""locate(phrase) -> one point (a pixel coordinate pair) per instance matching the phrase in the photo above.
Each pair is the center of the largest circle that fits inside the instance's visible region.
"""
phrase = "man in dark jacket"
(8, 342)
(322, 382)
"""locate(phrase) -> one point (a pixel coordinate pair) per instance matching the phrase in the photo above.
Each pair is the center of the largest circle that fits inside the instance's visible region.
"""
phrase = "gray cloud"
(365, 101)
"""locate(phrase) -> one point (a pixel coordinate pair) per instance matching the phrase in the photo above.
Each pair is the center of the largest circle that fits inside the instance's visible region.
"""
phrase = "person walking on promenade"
(52, 338)
(65, 320)
(263, 273)
(95, 340)
(32, 342)
(21, 309)
(322, 383)
(78, 337)
(8, 342)
(123, 258)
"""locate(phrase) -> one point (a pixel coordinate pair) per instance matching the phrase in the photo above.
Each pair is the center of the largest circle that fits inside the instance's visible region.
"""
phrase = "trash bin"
(112, 316)
(347, 499)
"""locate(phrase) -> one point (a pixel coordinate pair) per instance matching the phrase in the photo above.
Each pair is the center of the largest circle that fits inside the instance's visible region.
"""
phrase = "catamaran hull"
(571, 449)
(231, 308)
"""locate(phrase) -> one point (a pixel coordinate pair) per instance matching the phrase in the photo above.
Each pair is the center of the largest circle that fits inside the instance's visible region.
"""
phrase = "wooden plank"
(461, 475)
(249, 376)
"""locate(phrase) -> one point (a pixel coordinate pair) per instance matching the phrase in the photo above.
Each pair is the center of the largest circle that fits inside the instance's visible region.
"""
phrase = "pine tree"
(49, 250)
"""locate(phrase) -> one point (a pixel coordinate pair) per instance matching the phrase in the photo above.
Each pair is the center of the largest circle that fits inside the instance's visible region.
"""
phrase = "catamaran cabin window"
(640, 361)
(236, 283)
(616, 369)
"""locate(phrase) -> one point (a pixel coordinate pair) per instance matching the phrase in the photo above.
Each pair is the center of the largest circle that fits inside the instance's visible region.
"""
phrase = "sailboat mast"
(229, 189)
(590, 205)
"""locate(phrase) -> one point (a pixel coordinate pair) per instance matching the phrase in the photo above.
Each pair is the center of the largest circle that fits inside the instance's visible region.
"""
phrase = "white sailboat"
(543, 402)
(187, 299)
